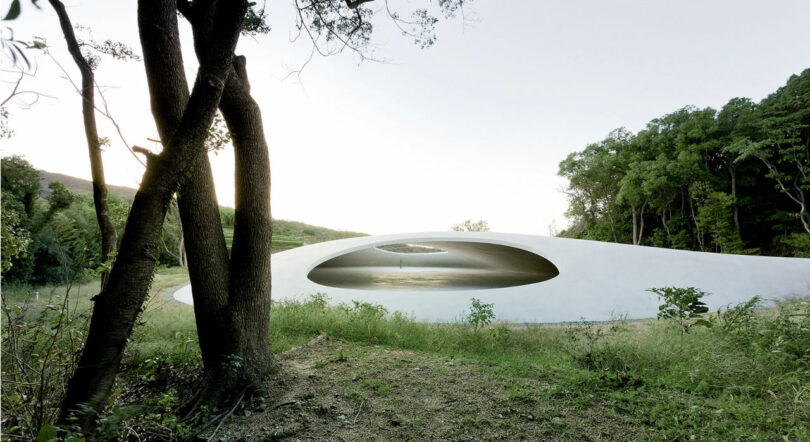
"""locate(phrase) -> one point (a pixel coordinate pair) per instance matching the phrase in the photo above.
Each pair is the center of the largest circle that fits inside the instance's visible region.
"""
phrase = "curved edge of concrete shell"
(580, 279)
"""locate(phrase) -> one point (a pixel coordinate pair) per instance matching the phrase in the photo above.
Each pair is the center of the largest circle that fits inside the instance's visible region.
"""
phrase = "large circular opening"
(434, 265)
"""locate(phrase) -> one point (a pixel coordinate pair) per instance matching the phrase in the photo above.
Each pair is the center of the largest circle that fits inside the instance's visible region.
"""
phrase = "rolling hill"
(286, 234)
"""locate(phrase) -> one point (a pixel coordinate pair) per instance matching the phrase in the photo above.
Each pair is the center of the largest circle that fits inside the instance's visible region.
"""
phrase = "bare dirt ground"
(332, 390)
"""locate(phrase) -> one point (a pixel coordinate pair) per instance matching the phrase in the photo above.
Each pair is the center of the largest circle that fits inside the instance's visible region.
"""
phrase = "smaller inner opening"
(410, 248)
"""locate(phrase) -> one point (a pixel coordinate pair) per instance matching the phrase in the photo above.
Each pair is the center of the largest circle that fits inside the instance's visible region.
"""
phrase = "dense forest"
(50, 233)
(733, 181)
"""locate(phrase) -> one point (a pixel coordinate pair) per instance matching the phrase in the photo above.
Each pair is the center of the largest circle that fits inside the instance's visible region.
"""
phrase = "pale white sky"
(471, 128)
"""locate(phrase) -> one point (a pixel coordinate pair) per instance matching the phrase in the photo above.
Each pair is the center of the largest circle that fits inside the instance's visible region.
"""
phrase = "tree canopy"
(733, 181)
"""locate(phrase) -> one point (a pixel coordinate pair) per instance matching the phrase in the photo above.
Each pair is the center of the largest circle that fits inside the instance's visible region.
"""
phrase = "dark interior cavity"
(434, 265)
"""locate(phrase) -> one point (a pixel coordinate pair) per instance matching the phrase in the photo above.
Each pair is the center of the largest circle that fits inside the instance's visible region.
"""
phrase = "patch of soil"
(332, 390)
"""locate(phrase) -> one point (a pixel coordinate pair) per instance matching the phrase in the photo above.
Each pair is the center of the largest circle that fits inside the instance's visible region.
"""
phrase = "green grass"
(745, 381)
(291, 234)
(749, 382)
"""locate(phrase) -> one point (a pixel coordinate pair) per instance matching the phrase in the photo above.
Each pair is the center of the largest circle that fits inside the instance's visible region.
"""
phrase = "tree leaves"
(740, 154)
(13, 10)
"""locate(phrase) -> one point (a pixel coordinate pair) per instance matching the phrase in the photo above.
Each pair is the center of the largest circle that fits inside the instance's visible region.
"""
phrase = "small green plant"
(682, 305)
(318, 300)
(480, 315)
(355, 396)
(364, 310)
(740, 317)
(379, 386)
(339, 357)
(618, 322)
(232, 365)
(500, 336)
(583, 337)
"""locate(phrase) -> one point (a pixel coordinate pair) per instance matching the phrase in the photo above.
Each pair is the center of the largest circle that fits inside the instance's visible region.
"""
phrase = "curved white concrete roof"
(596, 279)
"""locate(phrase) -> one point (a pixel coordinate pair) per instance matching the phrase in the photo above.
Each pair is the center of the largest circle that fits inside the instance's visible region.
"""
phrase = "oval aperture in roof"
(458, 265)
(408, 248)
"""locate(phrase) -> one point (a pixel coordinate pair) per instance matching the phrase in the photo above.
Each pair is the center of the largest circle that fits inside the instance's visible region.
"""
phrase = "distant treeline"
(733, 181)
(52, 239)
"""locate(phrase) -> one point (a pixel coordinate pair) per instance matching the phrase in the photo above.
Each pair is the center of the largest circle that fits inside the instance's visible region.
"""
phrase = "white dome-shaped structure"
(528, 278)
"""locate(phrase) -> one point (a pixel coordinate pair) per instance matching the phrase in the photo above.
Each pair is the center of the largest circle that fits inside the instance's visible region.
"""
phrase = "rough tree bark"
(109, 237)
(231, 295)
(250, 275)
(119, 303)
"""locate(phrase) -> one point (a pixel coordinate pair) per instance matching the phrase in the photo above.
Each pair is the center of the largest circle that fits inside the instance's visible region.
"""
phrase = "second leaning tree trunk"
(109, 237)
(250, 276)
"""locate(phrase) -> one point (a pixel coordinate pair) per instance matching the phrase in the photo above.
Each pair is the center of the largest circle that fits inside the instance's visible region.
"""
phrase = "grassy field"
(291, 234)
(381, 375)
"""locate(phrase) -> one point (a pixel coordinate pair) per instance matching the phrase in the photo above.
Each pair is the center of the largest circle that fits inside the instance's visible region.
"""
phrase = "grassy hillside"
(81, 186)
(307, 234)
(286, 234)
(291, 234)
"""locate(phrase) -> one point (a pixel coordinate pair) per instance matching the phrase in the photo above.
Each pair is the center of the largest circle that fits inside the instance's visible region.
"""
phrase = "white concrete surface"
(595, 281)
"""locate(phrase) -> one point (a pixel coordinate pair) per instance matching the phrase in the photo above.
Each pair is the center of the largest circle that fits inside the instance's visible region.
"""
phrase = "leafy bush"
(41, 345)
(365, 310)
(798, 243)
(682, 305)
(319, 300)
(740, 317)
(480, 314)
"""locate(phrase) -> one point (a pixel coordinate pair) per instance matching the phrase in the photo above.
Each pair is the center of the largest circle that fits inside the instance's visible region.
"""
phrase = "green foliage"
(227, 216)
(47, 433)
(365, 311)
(750, 380)
(471, 226)
(715, 211)
(740, 317)
(500, 335)
(319, 300)
(480, 315)
(218, 136)
(41, 343)
(682, 305)
(594, 175)
(798, 243)
(255, 21)
(233, 365)
(60, 197)
(61, 230)
(20, 181)
(15, 237)
(732, 181)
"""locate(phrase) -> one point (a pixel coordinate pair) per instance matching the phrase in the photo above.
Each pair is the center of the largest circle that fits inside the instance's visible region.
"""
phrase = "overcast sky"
(473, 127)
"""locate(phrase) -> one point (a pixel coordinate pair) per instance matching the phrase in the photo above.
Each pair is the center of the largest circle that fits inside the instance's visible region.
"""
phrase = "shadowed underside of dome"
(458, 265)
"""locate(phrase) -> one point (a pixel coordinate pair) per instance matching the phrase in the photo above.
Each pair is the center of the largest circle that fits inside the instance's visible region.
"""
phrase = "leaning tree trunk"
(207, 269)
(109, 237)
(206, 252)
(250, 273)
(232, 297)
(242, 331)
(120, 302)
